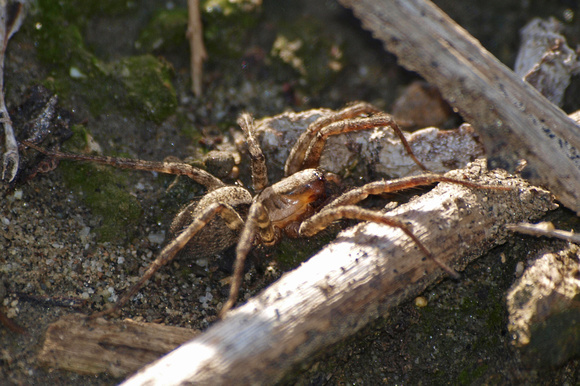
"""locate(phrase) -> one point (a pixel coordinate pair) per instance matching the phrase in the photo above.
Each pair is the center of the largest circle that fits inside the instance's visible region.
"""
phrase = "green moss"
(146, 85)
(188, 130)
(165, 32)
(139, 84)
(554, 341)
(225, 24)
(490, 311)
(105, 7)
(80, 139)
(290, 253)
(81, 10)
(468, 375)
(58, 29)
(60, 44)
(103, 190)
(495, 315)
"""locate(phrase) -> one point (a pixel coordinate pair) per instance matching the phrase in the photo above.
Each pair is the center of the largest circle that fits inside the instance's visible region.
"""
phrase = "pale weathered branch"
(86, 346)
(514, 120)
(365, 272)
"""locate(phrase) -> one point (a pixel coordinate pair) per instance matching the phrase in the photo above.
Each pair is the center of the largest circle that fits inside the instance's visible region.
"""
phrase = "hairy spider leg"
(168, 253)
(225, 210)
(198, 175)
(312, 157)
(352, 212)
(257, 222)
(315, 137)
(258, 161)
(343, 208)
(295, 159)
(360, 193)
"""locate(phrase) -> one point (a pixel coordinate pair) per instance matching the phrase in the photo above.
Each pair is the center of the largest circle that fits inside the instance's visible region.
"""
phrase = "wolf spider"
(303, 203)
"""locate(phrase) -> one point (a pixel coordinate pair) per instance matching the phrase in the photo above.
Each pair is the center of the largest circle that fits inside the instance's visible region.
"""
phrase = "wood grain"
(514, 120)
(85, 346)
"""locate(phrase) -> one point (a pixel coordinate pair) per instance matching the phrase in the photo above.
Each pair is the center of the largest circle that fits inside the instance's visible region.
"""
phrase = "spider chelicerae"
(304, 202)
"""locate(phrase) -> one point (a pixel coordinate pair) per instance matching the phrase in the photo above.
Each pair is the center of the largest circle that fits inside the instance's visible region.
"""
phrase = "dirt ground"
(53, 243)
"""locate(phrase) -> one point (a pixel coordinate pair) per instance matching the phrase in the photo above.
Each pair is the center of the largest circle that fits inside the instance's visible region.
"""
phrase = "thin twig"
(198, 52)
(544, 229)
(10, 324)
(11, 16)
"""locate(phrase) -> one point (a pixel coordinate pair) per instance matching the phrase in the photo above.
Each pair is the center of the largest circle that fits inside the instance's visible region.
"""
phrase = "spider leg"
(259, 170)
(168, 253)
(198, 175)
(295, 160)
(326, 217)
(258, 221)
(356, 195)
(343, 207)
(312, 156)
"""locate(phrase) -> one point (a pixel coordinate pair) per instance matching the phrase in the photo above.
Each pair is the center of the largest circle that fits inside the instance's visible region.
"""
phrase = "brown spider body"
(219, 233)
(301, 204)
(288, 202)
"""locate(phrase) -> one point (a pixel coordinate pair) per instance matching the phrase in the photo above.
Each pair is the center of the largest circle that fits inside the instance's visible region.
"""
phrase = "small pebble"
(75, 73)
(519, 269)
(156, 238)
(421, 301)
(18, 194)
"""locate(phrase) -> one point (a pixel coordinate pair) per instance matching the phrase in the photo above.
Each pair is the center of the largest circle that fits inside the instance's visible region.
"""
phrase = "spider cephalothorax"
(300, 204)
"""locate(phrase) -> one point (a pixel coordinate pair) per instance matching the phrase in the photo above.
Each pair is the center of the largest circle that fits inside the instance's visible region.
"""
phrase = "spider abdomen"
(220, 232)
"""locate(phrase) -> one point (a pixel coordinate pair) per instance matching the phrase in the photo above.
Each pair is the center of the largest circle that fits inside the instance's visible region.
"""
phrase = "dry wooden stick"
(546, 229)
(514, 120)
(198, 53)
(85, 346)
(365, 272)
